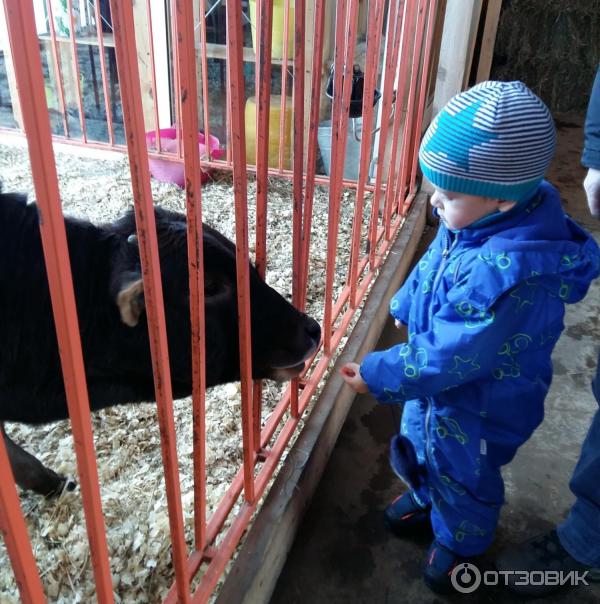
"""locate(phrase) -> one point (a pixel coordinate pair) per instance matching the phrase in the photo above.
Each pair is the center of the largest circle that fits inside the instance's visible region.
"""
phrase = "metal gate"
(398, 49)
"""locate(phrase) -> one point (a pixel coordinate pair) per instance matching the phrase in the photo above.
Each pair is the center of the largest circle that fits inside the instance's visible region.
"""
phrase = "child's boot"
(404, 516)
(438, 568)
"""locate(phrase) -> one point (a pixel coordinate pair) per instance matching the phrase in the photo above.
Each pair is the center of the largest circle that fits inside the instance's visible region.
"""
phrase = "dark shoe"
(404, 516)
(542, 553)
(438, 568)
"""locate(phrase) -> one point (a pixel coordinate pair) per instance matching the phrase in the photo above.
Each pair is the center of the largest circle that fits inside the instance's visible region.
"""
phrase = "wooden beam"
(458, 39)
(488, 40)
(142, 43)
(255, 571)
(472, 31)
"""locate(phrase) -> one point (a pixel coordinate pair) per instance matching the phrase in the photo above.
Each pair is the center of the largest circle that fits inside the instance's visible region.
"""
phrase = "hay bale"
(551, 45)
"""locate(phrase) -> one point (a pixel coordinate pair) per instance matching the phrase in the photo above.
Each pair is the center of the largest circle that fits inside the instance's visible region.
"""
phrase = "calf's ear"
(130, 300)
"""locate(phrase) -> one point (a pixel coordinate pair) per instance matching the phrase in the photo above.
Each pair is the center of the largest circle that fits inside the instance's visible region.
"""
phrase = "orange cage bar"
(397, 46)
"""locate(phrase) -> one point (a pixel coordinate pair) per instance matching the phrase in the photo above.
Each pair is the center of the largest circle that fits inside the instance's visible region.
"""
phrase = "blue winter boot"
(438, 568)
(404, 516)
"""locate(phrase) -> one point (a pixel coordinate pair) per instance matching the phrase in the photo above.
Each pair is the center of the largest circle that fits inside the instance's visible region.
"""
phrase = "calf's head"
(282, 337)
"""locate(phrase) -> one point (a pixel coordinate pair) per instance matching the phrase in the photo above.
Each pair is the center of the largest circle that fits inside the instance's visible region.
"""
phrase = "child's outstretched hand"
(351, 374)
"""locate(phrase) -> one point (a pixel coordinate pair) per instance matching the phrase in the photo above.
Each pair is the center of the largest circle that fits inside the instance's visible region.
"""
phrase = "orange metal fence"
(397, 56)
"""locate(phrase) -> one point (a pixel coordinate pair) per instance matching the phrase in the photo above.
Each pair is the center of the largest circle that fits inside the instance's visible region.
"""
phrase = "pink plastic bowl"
(173, 171)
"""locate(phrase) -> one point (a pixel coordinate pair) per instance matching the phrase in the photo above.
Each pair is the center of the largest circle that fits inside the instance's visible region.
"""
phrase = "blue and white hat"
(496, 140)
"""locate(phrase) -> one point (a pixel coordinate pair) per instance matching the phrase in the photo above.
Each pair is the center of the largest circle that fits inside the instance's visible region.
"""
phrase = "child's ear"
(505, 205)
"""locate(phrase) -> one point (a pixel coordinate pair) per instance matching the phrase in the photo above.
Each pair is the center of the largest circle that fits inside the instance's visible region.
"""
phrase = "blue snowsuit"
(484, 309)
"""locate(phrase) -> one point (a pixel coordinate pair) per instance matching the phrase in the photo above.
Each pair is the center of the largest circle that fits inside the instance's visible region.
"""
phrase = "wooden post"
(472, 36)
(488, 40)
(433, 67)
(143, 54)
(456, 53)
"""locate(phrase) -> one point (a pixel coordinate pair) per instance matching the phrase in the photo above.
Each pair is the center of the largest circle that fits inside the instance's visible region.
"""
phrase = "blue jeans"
(580, 532)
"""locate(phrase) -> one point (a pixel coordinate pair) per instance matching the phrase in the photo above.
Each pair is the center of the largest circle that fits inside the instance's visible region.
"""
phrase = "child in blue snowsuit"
(484, 308)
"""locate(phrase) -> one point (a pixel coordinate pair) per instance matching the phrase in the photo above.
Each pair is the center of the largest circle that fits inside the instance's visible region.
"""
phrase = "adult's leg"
(579, 534)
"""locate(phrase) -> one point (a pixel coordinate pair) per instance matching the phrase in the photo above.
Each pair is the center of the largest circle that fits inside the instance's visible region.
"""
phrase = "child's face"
(459, 210)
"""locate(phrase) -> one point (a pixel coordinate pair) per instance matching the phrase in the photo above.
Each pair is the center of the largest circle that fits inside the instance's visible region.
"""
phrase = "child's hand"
(351, 374)
(398, 323)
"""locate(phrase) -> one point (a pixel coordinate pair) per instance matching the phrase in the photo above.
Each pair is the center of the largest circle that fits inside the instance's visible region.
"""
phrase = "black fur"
(104, 259)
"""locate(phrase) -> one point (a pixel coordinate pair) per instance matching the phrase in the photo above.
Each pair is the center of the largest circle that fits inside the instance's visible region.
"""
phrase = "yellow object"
(277, 39)
(274, 130)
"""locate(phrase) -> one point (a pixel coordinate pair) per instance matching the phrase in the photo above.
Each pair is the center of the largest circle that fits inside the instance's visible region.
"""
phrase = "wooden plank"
(363, 14)
(254, 573)
(219, 51)
(107, 38)
(472, 31)
(161, 60)
(488, 40)
(142, 43)
(435, 57)
(462, 18)
(67, 71)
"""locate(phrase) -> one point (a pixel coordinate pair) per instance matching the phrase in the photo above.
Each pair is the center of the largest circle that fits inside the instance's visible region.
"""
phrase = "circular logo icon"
(465, 578)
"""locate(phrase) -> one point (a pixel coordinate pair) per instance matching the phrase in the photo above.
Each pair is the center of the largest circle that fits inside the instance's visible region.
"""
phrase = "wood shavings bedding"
(126, 437)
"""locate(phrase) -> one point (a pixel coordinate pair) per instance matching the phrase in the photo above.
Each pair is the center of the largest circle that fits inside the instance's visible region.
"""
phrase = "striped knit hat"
(495, 140)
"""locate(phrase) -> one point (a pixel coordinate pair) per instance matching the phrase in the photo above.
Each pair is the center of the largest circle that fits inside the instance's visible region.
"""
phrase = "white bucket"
(353, 142)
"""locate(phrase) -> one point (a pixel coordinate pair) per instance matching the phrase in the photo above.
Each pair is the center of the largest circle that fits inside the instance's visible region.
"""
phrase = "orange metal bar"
(56, 68)
(424, 86)
(184, 27)
(176, 84)
(407, 21)
(100, 38)
(264, 34)
(339, 55)
(240, 184)
(311, 163)
(298, 105)
(30, 84)
(204, 59)
(76, 69)
(228, 150)
(16, 539)
(371, 64)
(409, 133)
(284, 77)
(392, 49)
(339, 122)
(299, 62)
(122, 14)
(153, 72)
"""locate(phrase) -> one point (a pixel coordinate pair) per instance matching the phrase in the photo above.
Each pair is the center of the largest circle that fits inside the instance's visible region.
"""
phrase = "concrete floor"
(343, 553)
